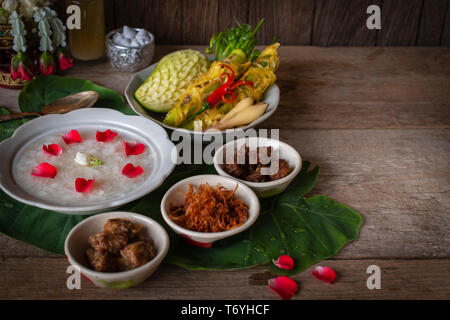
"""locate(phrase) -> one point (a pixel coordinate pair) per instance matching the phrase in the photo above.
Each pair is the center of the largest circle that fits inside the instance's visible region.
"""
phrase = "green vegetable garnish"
(240, 39)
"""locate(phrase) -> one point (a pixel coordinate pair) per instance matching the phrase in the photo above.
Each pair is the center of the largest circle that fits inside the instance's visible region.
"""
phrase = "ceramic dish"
(130, 127)
(76, 245)
(129, 59)
(271, 97)
(270, 188)
(175, 197)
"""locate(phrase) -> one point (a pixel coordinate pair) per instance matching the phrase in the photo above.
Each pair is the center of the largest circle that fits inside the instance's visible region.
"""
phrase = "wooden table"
(377, 120)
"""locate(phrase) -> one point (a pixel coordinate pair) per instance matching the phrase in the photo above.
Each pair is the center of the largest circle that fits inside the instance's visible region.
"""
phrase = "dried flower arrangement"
(32, 41)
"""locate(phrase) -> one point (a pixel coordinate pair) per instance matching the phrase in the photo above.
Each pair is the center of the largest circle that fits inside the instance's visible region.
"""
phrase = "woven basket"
(6, 43)
(6, 40)
(7, 52)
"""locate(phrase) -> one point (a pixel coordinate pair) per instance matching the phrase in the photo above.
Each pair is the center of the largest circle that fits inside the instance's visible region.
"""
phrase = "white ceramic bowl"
(76, 245)
(132, 127)
(175, 197)
(263, 189)
(271, 97)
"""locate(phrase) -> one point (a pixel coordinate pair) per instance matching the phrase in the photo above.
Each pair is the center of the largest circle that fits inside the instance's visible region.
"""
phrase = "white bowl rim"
(88, 209)
(281, 144)
(212, 235)
(162, 252)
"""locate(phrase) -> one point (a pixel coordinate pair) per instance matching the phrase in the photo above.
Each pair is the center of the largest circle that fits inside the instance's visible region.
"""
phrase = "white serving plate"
(132, 127)
(271, 97)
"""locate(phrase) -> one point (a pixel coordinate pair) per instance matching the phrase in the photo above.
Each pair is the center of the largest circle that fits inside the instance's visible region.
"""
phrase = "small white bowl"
(270, 188)
(76, 245)
(175, 197)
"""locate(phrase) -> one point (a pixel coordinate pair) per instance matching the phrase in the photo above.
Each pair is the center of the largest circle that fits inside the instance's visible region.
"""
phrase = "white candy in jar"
(130, 38)
(128, 33)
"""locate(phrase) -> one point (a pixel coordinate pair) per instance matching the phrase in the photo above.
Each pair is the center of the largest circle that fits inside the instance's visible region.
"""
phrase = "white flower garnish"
(86, 159)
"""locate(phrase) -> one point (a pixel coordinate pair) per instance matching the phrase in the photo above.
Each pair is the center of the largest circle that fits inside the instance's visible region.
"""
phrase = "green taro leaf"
(38, 227)
(7, 128)
(43, 90)
(307, 229)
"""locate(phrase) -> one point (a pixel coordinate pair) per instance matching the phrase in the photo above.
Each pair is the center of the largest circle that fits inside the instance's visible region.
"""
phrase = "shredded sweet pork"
(210, 209)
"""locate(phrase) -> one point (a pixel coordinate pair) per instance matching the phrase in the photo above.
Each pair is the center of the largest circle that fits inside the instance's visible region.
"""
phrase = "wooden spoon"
(83, 99)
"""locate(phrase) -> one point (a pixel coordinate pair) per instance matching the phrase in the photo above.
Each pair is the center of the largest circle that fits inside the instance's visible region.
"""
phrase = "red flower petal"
(133, 149)
(284, 286)
(64, 58)
(45, 170)
(52, 149)
(71, 137)
(105, 136)
(83, 185)
(324, 274)
(284, 262)
(131, 171)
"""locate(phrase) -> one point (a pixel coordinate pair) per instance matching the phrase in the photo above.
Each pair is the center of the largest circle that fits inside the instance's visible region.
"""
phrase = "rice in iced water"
(109, 181)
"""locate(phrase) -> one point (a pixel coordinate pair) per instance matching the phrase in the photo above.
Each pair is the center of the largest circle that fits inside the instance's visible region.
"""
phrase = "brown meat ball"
(101, 260)
(256, 176)
(235, 170)
(138, 253)
(118, 225)
(106, 241)
(283, 170)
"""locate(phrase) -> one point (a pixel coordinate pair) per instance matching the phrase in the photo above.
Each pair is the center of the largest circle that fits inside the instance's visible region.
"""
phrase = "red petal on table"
(284, 286)
(324, 274)
(52, 149)
(284, 262)
(133, 149)
(105, 136)
(131, 171)
(83, 185)
(71, 137)
(45, 170)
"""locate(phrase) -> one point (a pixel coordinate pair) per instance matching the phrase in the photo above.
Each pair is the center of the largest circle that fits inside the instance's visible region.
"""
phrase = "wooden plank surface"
(171, 282)
(230, 10)
(334, 75)
(377, 120)
(343, 22)
(295, 22)
(196, 28)
(259, 9)
(400, 20)
(162, 18)
(445, 35)
(432, 22)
